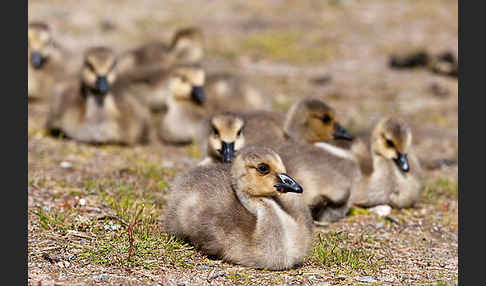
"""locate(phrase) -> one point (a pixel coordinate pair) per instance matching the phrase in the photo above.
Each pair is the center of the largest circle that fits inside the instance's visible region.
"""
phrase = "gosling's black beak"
(36, 59)
(102, 84)
(227, 151)
(402, 162)
(287, 184)
(341, 133)
(198, 94)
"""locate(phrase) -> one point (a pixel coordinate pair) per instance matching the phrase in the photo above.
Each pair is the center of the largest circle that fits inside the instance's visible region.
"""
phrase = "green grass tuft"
(329, 252)
(440, 189)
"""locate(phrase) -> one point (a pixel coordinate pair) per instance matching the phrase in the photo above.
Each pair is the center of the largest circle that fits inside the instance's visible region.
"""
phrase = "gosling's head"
(259, 171)
(391, 139)
(186, 84)
(187, 45)
(225, 136)
(311, 120)
(99, 69)
(40, 44)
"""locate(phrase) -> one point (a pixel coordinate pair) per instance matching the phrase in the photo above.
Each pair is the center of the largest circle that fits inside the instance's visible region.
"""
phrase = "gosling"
(249, 213)
(186, 106)
(44, 66)
(224, 138)
(90, 111)
(391, 172)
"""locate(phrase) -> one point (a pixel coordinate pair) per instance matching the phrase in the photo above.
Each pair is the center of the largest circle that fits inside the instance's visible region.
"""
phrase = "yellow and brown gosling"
(187, 106)
(91, 111)
(311, 120)
(44, 63)
(223, 138)
(249, 213)
(391, 172)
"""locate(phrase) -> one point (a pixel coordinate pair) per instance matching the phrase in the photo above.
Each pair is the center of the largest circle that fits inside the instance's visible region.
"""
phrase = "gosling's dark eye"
(326, 119)
(215, 131)
(90, 66)
(263, 169)
(390, 143)
(239, 133)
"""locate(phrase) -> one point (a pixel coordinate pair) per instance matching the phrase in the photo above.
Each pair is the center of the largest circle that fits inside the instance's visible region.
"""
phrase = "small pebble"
(381, 210)
(63, 264)
(204, 267)
(168, 164)
(82, 202)
(102, 277)
(111, 226)
(215, 274)
(367, 279)
(66, 165)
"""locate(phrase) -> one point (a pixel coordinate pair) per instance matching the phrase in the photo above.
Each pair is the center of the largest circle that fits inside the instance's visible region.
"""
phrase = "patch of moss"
(439, 189)
(358, 211)
(287, 46)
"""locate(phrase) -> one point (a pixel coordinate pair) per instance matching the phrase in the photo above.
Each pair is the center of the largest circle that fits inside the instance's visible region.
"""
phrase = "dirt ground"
(95, 213)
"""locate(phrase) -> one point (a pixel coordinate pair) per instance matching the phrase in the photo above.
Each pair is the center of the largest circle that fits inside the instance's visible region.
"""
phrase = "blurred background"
(338, 49)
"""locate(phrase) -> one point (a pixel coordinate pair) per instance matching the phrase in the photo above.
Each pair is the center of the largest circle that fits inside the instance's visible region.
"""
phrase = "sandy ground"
(79, 214)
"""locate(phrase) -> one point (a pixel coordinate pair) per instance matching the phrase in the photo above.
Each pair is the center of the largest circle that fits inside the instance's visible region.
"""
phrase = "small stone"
(70, 256)
(82, 202)
(204, 267)
(111, 226)
(323, 283)
(215, 274)
(367, 279)
(380, 224)
(167, 164)
(63, 264)
(66, 165)
(102, 277)
(388, 279)
(381, 210)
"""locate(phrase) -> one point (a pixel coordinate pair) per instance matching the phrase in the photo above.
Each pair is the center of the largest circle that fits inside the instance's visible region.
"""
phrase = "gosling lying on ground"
(186, 106)
(223, 138)
(44, 66)
(89, 111)
(392, 172)
(248, 213)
